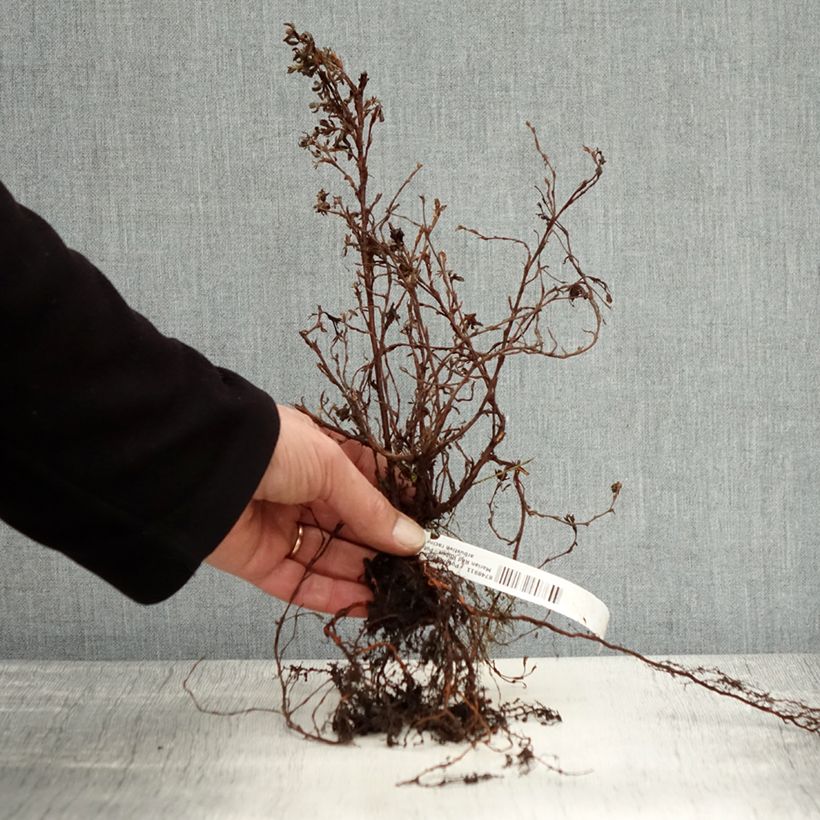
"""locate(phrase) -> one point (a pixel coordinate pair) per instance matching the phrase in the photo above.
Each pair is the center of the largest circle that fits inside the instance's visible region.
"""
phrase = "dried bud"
(391, 316)
(322, 205)
(577, 291)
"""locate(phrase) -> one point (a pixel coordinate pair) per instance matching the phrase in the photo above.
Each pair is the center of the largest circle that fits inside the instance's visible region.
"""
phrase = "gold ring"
(298, 542)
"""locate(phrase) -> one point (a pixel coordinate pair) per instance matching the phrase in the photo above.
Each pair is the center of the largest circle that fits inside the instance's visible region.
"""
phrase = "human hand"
(315, 481)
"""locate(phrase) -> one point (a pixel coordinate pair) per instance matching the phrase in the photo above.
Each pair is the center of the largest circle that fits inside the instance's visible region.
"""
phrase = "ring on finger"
(298, 542)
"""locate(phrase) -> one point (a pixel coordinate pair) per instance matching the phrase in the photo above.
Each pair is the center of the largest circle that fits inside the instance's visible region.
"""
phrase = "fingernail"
(408, 534)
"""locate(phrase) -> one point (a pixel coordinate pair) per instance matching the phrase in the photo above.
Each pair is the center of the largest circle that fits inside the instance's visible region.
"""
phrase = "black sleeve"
(122, 448)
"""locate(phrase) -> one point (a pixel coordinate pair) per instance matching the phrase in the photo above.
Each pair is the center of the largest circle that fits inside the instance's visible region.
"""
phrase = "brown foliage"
(414, 373)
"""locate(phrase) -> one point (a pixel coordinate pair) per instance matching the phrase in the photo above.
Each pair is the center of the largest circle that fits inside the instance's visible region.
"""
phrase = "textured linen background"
(160, 138)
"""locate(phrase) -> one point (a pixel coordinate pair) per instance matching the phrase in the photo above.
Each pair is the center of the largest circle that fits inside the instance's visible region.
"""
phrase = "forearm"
(123, 448)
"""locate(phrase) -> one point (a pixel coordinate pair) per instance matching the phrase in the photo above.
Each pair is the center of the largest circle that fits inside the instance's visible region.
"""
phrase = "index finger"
(368, 462)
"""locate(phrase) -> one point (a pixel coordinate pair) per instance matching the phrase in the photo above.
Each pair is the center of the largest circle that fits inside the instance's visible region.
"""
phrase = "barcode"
(528, 584)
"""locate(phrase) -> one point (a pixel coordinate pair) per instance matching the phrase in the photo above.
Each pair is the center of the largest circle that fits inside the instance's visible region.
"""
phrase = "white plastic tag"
(521, 580)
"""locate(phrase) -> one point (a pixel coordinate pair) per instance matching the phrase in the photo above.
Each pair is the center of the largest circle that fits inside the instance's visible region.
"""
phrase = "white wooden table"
(117, 739)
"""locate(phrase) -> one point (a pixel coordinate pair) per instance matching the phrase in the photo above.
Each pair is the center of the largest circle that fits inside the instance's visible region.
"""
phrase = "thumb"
(365, 510)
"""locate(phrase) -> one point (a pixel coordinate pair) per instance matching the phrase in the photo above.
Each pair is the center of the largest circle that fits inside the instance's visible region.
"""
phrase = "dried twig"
(413, 373)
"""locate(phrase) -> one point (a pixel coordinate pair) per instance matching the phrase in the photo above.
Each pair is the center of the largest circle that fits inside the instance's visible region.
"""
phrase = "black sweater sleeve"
(122, 448)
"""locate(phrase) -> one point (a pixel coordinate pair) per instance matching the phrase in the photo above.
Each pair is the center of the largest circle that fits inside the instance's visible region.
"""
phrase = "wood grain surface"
(122, 739)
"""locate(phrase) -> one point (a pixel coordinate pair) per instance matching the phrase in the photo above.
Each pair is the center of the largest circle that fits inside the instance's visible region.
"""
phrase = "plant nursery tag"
(521, 580)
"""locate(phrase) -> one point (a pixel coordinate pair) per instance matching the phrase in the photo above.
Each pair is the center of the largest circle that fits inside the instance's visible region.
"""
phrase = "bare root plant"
(414, 374)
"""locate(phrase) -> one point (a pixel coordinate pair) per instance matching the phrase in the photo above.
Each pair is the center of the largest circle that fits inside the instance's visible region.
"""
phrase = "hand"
(312, 479)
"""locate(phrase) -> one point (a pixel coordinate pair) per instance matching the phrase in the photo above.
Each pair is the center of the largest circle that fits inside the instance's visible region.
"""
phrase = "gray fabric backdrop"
(159, 137)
